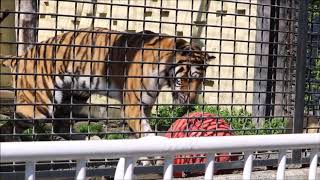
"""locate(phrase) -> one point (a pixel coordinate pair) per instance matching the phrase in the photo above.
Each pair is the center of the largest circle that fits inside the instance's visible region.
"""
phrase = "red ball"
(199, 124)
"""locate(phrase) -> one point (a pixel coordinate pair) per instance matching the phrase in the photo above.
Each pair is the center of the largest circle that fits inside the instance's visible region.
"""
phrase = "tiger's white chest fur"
(85, 84)
(105, 86)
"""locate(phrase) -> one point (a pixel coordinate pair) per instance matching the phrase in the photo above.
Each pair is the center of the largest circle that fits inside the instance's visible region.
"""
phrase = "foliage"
(97, 128)
(90, 128)
(275, 126)
(40, 128)
(314, 8)
(316, 73)
(313, 73)
(166, 115)
(315, 2)
(239, 119)
(116, 136)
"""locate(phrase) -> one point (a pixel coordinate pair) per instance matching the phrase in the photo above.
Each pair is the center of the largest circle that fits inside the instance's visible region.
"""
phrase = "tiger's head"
(187, 72)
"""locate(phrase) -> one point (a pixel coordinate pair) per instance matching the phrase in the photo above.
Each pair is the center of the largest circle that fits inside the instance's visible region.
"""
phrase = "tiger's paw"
(145, 161)
(159, 161)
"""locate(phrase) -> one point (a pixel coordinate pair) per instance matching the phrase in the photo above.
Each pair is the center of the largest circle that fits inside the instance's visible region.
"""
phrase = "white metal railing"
(130, 150)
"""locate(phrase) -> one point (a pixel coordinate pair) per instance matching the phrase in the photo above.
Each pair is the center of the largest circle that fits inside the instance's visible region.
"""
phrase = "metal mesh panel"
(312, 70)
(118, 69)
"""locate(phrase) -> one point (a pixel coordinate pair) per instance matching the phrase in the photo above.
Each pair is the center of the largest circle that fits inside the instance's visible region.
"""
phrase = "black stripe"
(180, 70)
(83, 85)
(98, 83)
(61, 40)
(68, 48)
(136, 96)
(148, 93)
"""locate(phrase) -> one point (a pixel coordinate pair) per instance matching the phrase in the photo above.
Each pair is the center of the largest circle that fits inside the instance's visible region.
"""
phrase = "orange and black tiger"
(131, 68)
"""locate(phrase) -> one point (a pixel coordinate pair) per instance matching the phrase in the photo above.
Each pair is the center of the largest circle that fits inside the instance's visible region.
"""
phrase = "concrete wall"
(6, 35)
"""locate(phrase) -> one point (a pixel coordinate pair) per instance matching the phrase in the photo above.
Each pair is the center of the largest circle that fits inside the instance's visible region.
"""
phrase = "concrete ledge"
(6, 95)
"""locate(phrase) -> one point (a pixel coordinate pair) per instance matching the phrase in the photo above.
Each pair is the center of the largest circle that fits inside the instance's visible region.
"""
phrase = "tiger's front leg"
(137, 120)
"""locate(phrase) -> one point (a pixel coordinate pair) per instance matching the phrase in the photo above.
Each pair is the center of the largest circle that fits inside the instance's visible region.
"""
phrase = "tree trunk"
(27, 22)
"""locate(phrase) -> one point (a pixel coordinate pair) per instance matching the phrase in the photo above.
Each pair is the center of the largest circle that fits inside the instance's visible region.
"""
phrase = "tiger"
(129, 67)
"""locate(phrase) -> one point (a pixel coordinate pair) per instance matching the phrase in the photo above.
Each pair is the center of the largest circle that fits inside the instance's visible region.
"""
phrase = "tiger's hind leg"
(28, 121)
(15, 129)
(66, 115)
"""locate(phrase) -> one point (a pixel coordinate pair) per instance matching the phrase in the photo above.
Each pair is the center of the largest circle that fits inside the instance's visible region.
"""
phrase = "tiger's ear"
(211, 56)
(181, 43)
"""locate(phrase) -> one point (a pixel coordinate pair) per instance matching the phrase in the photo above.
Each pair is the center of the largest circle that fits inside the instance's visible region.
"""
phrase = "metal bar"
(153, 7)
(30, 170)
(151, 146)
(110, 171)
(209, 166)
(313, 164)
(120, 170)
(282, 165)
(160, 35)
(81, 170)
(300, 72)
(247, 169)
(129, 166)
(168, 168)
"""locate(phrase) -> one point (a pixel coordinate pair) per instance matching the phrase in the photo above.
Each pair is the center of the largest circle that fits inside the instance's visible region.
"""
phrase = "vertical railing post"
(129, 167)
(30, 171)
(247, 169)
(168, 168)
(120, 170)
(81, 170)
(282, 165)
(300, 73)
(313, 164)
(209, 167)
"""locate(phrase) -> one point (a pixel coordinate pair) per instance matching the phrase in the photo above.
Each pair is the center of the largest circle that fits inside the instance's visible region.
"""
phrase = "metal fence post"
(300, 73)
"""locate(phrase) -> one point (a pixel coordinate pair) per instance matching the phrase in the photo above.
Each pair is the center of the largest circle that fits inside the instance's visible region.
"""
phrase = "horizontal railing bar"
(19, 173)
(151, 146)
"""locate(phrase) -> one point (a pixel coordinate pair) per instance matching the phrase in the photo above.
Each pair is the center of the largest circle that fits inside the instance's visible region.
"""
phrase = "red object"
(199, 124)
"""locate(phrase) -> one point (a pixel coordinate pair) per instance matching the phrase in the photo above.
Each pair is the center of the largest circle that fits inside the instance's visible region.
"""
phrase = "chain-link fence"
(118, 69)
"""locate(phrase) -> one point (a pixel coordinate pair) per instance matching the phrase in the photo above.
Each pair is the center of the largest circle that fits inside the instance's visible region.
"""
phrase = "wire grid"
(312, 70)
(250, 84)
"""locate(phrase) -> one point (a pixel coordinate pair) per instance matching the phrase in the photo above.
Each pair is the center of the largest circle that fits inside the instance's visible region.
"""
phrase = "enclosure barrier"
(131, 150)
